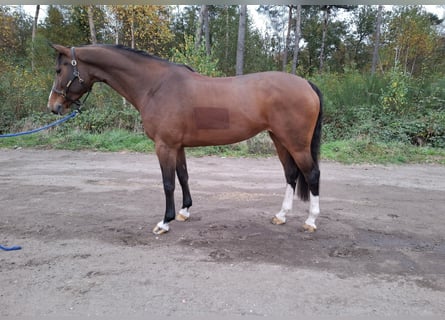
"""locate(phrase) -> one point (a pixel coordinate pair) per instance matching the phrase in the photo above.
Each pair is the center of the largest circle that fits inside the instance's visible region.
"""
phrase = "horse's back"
(268, 89)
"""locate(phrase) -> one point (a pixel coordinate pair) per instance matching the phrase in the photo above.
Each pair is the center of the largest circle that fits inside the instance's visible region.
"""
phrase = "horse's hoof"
(308, 228)
(161, 228)
(158, 231)
(181, 217)
(277, 221)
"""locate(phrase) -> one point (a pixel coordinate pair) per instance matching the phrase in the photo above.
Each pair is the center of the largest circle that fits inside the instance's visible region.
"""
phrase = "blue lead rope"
(10, 248)
(53, 124)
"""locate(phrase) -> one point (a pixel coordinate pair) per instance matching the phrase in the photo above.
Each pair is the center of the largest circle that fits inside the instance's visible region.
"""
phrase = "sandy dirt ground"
(84, 220)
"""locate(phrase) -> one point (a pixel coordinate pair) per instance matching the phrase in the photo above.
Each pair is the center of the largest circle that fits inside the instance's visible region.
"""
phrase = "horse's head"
(72, 81)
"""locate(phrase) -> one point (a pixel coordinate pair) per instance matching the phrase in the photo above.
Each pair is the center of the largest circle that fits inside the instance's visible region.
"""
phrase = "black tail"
(316, 138)
(303, 187)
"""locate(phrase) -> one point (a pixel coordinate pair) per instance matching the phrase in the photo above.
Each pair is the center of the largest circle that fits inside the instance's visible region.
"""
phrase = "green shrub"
(196, 58)
(392, 108)
(99, 120)
(394, 98)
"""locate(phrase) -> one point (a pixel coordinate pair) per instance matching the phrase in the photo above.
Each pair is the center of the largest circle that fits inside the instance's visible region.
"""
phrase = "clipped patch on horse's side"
(211, 118)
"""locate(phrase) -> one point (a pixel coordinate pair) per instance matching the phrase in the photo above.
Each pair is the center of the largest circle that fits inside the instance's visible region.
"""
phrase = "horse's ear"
(61, 49)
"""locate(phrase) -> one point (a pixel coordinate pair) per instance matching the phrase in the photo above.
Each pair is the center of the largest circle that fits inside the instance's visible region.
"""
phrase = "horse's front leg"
(183, 177)
(167, 159)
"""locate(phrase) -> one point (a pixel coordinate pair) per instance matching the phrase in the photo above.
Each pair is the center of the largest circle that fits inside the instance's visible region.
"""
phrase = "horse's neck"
(125, 74)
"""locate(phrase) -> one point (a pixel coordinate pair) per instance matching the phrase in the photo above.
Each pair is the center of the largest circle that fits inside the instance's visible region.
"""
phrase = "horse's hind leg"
(309, 188)
(183, 177)
(291, 173)
(299, 167)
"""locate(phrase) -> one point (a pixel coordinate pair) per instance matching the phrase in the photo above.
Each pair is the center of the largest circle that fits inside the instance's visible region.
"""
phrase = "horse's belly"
(213, 137)
(219, 126)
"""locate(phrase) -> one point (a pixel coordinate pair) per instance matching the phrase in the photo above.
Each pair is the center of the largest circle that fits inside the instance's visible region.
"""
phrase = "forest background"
(382, 72)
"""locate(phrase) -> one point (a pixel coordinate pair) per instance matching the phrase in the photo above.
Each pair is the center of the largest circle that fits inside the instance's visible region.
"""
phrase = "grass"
(115, 140)
(364, 151)
(344, 151)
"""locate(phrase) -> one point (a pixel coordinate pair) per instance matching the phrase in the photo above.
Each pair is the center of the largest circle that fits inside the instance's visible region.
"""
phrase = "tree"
(360, 36)
(241, 40)
(33, 36)
(226, 35)
(203, 27)
(198, 59)
(207, 32)
(224, 29)
(57, 27)
(91, 24)
(288, 33)
(184, 21)
(79, 20)
(411, 40)
(297, 39)
(145, 27)
(309, 55)
(278, 21)
(327, 11)
(7, 31)
(257, 56)
(15, 32)
(378, 26)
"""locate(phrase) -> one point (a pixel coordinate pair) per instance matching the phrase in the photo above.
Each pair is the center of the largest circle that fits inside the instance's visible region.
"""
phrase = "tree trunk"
(375, 55)
(33, 37)
(207, 31)
(241, 40)
(226, 46)
(116, 30)
(286, 47)
(133, 41)
(200, 27)
(323, 37)
(297, 40)
(91, 23)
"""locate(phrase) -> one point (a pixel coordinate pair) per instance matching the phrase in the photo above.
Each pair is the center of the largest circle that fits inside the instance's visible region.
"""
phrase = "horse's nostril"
(57, 109)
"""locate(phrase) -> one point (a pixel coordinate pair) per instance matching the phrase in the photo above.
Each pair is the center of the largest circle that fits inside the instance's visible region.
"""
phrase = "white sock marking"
(185, 212)
(314, 210)
(163, 226)
(287, 203)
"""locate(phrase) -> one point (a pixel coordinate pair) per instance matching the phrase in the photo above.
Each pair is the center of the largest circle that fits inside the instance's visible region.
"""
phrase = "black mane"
(148, 55)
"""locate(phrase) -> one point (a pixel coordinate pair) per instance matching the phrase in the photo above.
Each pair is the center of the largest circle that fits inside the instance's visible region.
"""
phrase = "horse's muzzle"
(56, 108)
(55, 104)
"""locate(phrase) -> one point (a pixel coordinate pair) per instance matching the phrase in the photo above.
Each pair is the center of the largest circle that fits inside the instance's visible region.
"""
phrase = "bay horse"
(181, 108)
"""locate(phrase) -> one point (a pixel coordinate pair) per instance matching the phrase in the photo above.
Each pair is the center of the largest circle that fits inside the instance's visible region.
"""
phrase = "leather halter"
(76, 75)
